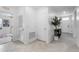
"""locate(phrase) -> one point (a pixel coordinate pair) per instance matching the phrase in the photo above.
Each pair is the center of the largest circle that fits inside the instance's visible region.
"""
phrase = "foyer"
(28, 29)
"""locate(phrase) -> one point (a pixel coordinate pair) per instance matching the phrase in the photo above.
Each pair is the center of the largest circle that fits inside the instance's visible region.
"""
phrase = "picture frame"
(5, 23)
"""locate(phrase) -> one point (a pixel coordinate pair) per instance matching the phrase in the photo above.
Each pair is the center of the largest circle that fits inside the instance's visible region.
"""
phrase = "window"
(65, 18)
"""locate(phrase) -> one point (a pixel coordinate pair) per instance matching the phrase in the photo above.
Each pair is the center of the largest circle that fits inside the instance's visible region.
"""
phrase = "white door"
(20, 22)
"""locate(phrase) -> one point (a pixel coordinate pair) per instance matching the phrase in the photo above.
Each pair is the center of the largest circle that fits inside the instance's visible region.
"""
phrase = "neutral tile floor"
(65, 44)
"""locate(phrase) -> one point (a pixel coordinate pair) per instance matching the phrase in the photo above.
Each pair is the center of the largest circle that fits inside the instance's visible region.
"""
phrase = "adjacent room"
(39, 29)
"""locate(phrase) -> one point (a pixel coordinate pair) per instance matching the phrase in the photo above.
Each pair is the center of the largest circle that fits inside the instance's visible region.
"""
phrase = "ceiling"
(51, 9)
(61, 9)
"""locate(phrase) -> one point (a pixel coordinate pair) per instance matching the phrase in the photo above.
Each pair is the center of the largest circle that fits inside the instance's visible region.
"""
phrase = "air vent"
(31, 35)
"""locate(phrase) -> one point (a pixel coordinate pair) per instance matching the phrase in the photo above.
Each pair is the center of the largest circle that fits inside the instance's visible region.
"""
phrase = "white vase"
(55, 38)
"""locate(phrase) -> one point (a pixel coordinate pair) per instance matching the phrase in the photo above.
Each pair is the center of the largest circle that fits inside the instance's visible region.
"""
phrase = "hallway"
(65, 44)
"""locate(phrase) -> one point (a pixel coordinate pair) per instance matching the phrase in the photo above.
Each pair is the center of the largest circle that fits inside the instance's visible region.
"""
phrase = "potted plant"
(56, 23)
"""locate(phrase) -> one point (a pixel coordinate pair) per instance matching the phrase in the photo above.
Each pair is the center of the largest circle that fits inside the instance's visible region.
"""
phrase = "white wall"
(74, 26)
(77, 25)
(43, 24)
(30, 23)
